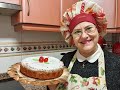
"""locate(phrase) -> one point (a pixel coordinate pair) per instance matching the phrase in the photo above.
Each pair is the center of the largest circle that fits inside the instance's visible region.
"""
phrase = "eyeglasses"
(88, 30)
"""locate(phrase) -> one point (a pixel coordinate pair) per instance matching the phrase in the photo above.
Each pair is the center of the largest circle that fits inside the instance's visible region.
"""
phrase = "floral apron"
(76, 82)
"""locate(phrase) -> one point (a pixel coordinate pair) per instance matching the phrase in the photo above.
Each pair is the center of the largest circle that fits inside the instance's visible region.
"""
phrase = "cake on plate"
(42, 67)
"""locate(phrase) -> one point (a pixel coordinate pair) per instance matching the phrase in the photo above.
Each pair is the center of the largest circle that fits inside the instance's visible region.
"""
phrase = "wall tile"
(35, 36)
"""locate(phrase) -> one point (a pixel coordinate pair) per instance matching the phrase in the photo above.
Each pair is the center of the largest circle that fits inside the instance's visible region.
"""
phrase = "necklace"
(83, 65)
(84, 62)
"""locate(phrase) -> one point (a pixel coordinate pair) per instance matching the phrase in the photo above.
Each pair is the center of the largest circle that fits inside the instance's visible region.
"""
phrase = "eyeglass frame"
(88, 31)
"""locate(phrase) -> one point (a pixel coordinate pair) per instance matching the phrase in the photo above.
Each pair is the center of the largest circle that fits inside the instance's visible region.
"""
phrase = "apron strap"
(72, 62)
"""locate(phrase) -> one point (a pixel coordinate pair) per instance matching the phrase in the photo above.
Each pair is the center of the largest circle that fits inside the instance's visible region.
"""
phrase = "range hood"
(9, 9)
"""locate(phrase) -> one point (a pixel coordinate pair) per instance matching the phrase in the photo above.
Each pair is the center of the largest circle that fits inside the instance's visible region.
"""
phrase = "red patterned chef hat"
(81, 11)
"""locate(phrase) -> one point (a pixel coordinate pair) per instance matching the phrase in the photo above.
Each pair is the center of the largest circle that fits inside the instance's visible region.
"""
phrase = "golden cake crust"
(43, 75)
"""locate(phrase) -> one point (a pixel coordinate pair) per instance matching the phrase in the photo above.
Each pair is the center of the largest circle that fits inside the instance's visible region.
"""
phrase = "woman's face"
(85, 36)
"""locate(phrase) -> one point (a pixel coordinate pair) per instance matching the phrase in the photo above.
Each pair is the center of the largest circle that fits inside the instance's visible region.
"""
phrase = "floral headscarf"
(92, 11)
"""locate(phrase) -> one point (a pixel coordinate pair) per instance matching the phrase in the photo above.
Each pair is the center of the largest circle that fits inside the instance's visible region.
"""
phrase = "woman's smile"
(86, 42)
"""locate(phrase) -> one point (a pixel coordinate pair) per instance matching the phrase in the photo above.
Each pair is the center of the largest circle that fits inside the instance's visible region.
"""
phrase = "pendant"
(83, 65)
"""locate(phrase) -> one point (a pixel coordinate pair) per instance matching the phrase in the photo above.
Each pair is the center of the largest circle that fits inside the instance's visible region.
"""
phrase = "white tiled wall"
(36, 36)
(7, 33)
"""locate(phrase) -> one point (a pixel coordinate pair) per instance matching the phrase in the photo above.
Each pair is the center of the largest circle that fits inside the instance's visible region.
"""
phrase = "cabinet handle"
(28, 2)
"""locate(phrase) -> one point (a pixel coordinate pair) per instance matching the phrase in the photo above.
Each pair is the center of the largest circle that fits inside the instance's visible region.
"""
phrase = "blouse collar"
(91, 58)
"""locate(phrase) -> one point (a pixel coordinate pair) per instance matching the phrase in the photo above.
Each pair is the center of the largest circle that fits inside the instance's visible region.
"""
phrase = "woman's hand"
(52, 87)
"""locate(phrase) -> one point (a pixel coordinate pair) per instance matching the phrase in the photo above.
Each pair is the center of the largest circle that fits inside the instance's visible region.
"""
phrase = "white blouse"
(91, 58)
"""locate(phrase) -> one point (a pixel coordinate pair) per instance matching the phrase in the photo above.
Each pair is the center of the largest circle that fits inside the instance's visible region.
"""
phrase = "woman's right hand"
(52, 87)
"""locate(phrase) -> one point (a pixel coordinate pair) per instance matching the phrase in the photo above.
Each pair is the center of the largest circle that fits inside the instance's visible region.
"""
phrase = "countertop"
(10, 84)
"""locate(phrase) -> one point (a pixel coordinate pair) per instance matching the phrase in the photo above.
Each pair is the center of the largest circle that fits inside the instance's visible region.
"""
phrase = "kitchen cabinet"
(65, 5)
(45, 15)
(118, 12)
(40, 15)
(112, 12)
(109, 7)
(11, 1)
(118, 16)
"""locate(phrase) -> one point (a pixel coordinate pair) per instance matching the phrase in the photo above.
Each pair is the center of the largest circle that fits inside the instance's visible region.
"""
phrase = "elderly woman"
(90, 67)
